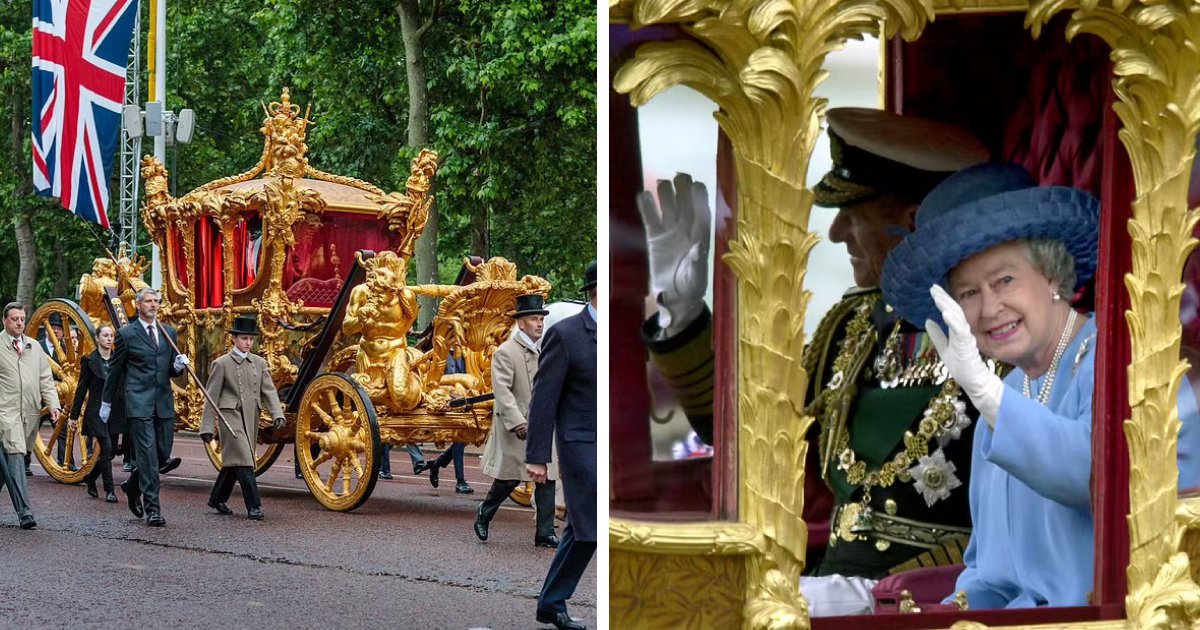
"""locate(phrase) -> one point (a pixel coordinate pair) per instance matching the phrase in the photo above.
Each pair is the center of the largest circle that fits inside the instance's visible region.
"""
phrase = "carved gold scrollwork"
(1156, 64)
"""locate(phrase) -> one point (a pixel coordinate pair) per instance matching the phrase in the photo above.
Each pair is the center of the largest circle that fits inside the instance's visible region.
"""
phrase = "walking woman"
(93, 374)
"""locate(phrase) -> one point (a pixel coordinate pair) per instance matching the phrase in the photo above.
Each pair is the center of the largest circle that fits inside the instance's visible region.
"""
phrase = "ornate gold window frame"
(760, 61)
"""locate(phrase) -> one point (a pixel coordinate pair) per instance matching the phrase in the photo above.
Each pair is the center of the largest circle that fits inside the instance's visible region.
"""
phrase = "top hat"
(245, 325)
(532, 304)
(589, 278)
(55, 319)
(979, 208)
(876, 152)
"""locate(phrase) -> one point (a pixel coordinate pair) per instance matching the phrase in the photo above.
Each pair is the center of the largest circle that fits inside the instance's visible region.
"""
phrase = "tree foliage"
(512, 113)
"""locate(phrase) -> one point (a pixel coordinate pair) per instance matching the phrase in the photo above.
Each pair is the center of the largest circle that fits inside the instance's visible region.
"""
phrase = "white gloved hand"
(105, 411)
(181, 361)
(960, 355)
(678, 246)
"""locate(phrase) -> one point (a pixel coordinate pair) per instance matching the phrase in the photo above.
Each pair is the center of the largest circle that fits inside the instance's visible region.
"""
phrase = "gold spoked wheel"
(77, 340)
(523, 494)
(264, 454)
(337, 442)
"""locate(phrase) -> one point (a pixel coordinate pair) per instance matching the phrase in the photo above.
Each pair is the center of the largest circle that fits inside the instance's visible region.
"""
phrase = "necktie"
(153, 337)
(17, 346)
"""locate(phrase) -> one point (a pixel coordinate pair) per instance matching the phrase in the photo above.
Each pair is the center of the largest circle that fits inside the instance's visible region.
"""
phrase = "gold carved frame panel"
(760, 61)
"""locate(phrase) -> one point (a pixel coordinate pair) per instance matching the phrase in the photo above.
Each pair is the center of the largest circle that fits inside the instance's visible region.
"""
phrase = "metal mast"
(127, 228)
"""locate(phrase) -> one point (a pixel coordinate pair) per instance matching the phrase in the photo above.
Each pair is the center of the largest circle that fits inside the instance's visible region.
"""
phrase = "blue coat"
(564, 406)
(1030, 489)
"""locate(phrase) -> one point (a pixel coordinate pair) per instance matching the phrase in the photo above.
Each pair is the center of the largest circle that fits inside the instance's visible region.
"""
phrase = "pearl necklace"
(1044, 393)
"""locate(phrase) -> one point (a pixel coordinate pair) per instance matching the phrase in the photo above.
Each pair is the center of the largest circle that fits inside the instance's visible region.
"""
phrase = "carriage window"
(247, 251)
(315, 268)
(1189, 394)
(679, 135)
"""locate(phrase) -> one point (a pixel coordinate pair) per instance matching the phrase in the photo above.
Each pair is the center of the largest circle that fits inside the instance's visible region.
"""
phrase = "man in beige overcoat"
(241, 384)
(26, 385)
(513, 367)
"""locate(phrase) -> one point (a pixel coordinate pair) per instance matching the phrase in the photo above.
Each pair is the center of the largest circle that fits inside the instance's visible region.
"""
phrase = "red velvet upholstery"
(927, 586)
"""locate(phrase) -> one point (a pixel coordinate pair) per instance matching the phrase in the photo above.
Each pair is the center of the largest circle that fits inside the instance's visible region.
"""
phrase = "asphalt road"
(405, 559)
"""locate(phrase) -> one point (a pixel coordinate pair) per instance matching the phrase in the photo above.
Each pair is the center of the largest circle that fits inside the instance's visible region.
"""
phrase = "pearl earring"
(1057, 297)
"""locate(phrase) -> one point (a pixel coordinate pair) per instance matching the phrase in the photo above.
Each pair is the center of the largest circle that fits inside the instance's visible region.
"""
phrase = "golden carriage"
(297, 247)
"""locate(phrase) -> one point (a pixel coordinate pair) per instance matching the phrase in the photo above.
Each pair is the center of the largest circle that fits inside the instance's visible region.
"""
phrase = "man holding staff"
(143, 363)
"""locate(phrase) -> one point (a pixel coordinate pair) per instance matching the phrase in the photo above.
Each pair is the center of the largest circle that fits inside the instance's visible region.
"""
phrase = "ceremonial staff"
(163, 332)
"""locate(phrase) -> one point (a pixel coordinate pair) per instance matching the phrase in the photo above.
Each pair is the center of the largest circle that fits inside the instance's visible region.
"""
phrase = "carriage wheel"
(523, 494)
(264, 454)
(337, 442)
(79, 341)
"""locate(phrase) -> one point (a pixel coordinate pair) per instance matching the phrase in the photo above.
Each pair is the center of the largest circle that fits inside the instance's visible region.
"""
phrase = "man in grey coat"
(513, 368)
(241, 384)
(140, 373)
(26, 384)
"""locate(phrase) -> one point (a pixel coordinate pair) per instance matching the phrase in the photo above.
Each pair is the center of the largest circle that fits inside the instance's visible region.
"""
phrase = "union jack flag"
(80, 51)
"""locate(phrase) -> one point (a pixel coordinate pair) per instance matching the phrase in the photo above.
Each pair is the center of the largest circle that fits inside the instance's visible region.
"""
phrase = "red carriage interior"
(314, 267)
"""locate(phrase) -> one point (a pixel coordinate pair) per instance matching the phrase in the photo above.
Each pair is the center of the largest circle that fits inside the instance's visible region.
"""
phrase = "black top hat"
(244, 325)
(530, 305)
(589, 278)
(55, 319)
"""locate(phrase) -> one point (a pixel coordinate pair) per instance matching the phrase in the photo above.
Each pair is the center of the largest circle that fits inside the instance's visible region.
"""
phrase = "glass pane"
(1189, 390)
(678, 134)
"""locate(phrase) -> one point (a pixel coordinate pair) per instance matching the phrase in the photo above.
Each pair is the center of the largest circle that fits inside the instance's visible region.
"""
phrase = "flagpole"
(158, 92)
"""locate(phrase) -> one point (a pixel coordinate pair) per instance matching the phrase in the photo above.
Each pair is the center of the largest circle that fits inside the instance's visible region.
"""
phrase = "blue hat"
(976, 209)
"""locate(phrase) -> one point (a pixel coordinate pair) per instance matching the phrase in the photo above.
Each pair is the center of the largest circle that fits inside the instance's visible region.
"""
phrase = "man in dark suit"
(564, 406)
(140, 374)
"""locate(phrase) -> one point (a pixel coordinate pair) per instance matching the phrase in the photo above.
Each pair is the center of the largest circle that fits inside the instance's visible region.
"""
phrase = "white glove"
(181, 361)
(678, 245)
(105, 411)
(960, 354)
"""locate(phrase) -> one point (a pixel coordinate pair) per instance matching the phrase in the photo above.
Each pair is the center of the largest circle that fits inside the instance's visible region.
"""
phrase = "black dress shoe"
(110, 497)
(155, 520)
(463, 487)
(419, 467)
(169, 465)
(546, 541)
(28, 472)
(27, 522)
(255, 514)
(433, 474)
(221, 508)
(135, 501)
(481, 526)
(560, 620)
(385, 475)
(91, 490)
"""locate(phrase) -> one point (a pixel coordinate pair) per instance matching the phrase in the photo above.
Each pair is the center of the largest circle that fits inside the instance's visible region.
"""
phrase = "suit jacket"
(140, 374)
(26, 385)
(242, 388)
(564, 406)
(93, 373)
(513, 368)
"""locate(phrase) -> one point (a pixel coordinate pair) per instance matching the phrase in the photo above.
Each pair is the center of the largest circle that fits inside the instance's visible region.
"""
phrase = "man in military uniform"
(892, 439)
